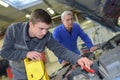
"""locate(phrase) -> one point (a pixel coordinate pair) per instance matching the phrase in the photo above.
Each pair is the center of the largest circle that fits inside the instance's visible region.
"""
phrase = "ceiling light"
(27, 16)
(119, 20)
(50, 11)
(22, 4)
(4, 4)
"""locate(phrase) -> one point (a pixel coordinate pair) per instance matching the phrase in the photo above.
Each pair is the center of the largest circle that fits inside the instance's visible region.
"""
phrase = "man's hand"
(84, 62)
(92, 49)
(64, 63)
(33, 55)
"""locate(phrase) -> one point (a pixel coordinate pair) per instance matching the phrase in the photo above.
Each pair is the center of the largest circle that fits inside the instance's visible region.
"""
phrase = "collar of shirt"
(27, 37)
(66, 29)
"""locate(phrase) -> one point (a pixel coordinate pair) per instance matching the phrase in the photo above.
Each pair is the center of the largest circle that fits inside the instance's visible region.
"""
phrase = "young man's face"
(68, 21)
(38, 30)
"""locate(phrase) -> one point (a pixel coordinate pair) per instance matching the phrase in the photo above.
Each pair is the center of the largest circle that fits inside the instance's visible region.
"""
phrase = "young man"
(28, 39)
(68, 33)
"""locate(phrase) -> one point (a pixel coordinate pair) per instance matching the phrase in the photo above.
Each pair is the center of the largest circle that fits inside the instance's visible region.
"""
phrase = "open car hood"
(105, 12)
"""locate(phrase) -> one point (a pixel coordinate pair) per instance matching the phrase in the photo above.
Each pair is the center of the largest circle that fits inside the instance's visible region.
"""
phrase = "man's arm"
(66, 54)
(56, 35)
(87, 40)
(8, 51)
(85, 37)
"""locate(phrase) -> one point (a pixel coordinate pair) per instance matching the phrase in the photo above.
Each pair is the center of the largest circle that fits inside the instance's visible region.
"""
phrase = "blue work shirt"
(69, 39)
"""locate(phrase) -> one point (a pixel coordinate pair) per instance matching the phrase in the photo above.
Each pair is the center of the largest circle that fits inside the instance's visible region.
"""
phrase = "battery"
(35, 70)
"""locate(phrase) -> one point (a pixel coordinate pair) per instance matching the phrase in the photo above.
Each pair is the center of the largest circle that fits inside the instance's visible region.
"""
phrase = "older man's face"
(68, 21)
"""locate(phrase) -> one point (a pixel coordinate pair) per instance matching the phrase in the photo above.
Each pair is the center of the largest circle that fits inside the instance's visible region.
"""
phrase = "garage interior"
(89, 14)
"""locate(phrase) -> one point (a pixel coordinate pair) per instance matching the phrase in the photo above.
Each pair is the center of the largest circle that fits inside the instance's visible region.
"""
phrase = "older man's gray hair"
(66, 13)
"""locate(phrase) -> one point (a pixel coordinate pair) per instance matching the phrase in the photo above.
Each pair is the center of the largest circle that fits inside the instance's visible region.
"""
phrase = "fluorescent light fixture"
(22, 4)
(50, 11)
(4, 4)
(119, 20)
(27, 16)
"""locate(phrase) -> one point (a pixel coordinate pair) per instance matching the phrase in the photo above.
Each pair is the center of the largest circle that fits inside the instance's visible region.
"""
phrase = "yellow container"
(35, 70)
